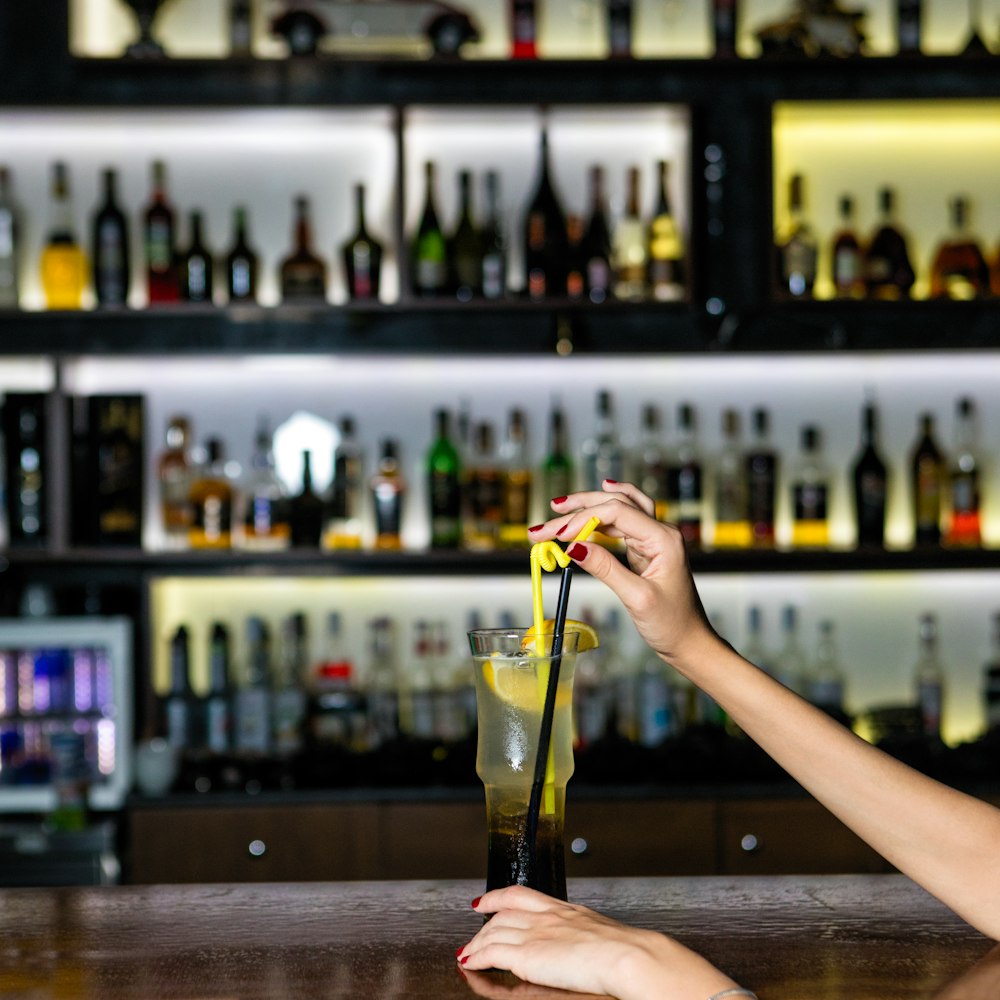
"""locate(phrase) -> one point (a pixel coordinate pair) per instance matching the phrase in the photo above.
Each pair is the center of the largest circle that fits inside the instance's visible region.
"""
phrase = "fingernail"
(614, 482)
(458, 951)
(563, 528)
(577, 551)
(536, 527)
(558, 500)
(464, 959)
(475, 902)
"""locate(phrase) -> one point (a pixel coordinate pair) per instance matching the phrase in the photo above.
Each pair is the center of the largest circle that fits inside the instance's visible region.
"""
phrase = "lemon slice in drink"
(515, 683)
(588, 637)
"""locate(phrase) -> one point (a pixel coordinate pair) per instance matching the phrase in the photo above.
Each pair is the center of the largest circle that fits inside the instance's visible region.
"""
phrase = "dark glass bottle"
(762, 480)
(810, 493)
(388, 489)
(620, 29)
(196, 266)
(846, 256)
(159, 240)
(344, 495)
(362, 255)
(241, 262)
(927, 480)
(494, 242)
(465, 248)
(429, 253)
(303, 273)
(870, 484)
(444, 486)
(305, 510)
(887, 269)
(545, 234)
(557, 467)
(597, 241)
(110, 248)
(576, 259)
(179, 706)
(10, 244)
(219, 701)
(685, 498)
(959, 270)
(523, 29)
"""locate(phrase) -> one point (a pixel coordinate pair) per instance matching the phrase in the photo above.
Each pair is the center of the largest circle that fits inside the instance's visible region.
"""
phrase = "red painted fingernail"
(563, 528)
(558, 500)
(614, 482)
(458, 951)
(475, 902)
(536, 527)
(577, 551)
(464, 959)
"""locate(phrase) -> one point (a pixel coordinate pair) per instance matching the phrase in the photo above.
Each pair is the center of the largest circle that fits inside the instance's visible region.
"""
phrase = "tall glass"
(510, 693)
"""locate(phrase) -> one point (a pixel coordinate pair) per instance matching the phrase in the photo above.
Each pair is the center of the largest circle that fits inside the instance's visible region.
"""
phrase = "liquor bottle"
(545, 234)
(288, 696)
(465, 248)
(114, 471)
(651, 460)
(927, 480)
(383, 687)
(666, 245)
(685, 500)
(810, 489)
(388, 490)
(523, 29)
(219, 701)
(362, 255)
(10, 244)
(444, 471)
(597, 241)
(429, 254)
(162, 285)
(761, 467)
(196, 268)
(241, 262)
(603, 456)
(174, 473)
(211, 498)
(870, 483)
(303, 273)
(959, 270)
(63, 263)
(305, 511)
(557, 466)
(240, 29)
(494, 242)
(252, 701)
(24, 434)
(964, 514)
(485, 484)
(619, 29)
(179, 704)
(790, 663)
(991, 679)
(576, 259)
(265, 514)
(888, 272)
(826, 681)
(797, 251)
(753, 647)
(846, 256)
(908, 27)
(110, 248)
(928, 677)
(517, 482)
(732, 524)
(724, 28)
(336, 714)
(629, 245)
(344, 513)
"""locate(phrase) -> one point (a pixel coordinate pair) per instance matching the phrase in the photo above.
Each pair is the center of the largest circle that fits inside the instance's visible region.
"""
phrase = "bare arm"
(946, 841)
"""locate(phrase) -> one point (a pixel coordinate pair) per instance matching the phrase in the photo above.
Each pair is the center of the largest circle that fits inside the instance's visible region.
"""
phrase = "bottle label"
(846, 268)
(253, 732)
(159, 248)
(809, 501)
(493, 276)
(388, 510)
(218, 724)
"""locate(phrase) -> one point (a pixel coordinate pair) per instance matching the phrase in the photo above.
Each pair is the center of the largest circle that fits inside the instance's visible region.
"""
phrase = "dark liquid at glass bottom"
(509, 859)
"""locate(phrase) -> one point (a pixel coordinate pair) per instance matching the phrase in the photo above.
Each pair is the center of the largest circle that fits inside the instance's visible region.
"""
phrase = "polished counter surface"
(872, 937)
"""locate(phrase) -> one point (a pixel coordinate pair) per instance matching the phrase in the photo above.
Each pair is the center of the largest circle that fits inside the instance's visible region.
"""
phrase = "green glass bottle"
(429, 251)
(444, 486)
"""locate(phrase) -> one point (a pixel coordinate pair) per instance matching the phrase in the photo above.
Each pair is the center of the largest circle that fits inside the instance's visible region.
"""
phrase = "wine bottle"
(629, 245)
(362, 255)
(810, 488)
(240, 29)
(444, 486)
(666, 246)
(732, 525)
(797, 251)
(196, 267)
(241, 262)
(597, 241)
(303, 273)
(762, 478)
(305, 510)
(523, 29)
(252, 702)
(887, 268)
(870, 483)
(63, 263)
(545, 234)
(576, 259)
(10, 244)
(429, 254)
(343, 498)
(265, 516)
(685, 499)
(288, 696)
(964, 515)
(959, 270)
(517, 482)
(162, 285)
(110, 248)
(465, 248)
(846, 256)
(212, 498)
(219, 701)
(179, 704)
(927, 482)
(619, 29)
(494, 242)
(908, 28)
(388, 489)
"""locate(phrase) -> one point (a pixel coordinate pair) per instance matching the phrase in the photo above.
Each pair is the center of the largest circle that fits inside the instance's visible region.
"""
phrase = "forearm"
(946, 841)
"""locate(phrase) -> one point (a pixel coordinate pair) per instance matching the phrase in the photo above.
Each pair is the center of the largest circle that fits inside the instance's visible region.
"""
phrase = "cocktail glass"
(512, 670)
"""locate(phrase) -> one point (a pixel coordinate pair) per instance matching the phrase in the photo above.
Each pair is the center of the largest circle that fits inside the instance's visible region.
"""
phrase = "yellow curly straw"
(548, 556)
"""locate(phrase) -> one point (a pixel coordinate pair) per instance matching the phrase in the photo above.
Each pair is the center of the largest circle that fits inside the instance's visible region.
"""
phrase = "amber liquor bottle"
(303, 273)
(965, 517)
(212, 502)
(959, 270)
(888, 272)
(846, 255)
(761, 466)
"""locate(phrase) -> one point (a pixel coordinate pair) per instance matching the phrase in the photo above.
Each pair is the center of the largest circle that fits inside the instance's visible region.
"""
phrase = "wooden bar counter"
(866, 937)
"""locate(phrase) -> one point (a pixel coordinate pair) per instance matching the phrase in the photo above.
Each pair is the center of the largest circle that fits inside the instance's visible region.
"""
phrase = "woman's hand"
(562, 945)
(656, 588)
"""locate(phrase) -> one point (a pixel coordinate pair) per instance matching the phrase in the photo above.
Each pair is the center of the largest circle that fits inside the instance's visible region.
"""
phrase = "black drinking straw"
(548, 711)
